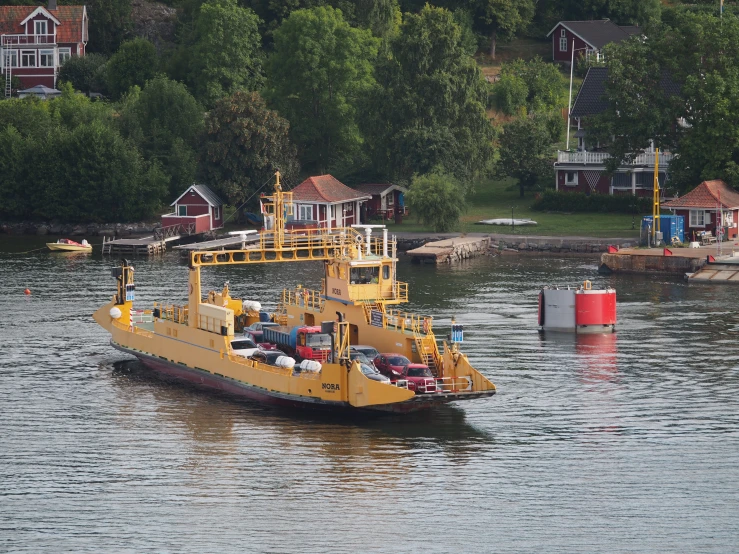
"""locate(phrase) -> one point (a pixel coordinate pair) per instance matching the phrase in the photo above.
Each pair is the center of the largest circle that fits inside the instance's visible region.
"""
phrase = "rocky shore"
(115, 230)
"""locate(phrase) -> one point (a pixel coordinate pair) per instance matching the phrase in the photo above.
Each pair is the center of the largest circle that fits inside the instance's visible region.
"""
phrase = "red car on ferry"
(397, 367)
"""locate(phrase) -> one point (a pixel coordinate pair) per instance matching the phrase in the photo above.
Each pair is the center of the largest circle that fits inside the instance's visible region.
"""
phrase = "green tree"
(524, 152)
(109, 24)
(243, 144)
(84, 72)
(544, 82)
(225, 52)
(428, 110)
(502, 18)
(164, 120)
(320, 69)
(437, 199)
(134, 63)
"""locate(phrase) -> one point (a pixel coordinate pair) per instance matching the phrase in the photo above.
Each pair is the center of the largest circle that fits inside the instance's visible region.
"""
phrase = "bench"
(707, 238)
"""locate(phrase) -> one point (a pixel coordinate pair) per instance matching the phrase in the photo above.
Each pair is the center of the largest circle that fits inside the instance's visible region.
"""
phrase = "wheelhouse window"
(46, 58)
(182, 210)
(697, 218)
(64, 55)
(40, 27)
(305, 212)
(28, 58)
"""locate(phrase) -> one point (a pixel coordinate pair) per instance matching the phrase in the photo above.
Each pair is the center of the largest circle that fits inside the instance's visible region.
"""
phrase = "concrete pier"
(450, 250)
(662, 260)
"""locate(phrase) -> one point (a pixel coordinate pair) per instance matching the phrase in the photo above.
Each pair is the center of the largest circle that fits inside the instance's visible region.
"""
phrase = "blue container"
(264, 317)
(670, 225)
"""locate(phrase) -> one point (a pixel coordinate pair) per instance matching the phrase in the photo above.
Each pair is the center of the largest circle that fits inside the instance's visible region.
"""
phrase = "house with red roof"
(325, 202)
(386, 200)
(35, 41)
(701, 208)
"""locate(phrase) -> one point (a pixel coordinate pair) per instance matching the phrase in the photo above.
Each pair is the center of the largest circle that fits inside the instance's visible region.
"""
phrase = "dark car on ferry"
(371, 373)
(398, 368)
(256, 330)
(370, 351)
(363, 359)
(268, 357)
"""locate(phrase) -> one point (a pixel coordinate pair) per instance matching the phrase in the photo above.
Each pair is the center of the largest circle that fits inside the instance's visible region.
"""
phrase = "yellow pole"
(655, 204)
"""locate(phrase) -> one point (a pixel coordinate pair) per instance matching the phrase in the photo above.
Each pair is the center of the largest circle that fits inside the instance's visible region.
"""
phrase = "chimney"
(52, 4)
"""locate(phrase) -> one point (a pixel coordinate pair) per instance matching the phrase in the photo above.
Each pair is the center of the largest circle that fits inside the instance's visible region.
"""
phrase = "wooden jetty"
(236, 240)
(143, 246)
(679, 261)
(717, 270)
(450, 250)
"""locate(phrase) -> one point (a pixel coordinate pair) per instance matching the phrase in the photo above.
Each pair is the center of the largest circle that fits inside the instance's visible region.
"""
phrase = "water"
(618, 443)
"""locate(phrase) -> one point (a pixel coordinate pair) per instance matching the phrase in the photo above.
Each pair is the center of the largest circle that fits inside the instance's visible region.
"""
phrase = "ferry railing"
(407, 322)
(453, 384)
(306, 298)
(172, 312)
(286, 371)
(133, 329)
(142, 316)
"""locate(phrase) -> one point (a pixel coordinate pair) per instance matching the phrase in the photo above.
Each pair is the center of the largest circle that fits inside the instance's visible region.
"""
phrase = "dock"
(140, 246)
(236, 240)
(673, 260)
(722, 270)
(450, 250)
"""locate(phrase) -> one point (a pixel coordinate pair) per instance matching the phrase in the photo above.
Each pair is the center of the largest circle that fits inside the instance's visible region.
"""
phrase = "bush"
(437, 199)
(510, 94)
(580, 202)
(84, 72)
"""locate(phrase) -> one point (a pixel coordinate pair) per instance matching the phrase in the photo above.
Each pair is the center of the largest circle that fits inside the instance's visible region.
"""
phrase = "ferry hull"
(202, 379)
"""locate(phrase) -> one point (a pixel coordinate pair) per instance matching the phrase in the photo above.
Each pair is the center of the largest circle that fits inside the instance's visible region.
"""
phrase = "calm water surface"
(618, 443)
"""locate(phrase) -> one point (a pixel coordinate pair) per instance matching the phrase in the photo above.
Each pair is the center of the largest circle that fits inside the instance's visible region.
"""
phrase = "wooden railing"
(600, 158)
(175, 230)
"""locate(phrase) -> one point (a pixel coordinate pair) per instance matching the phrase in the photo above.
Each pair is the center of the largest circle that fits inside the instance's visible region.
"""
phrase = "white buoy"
(115, 313)
(311, 366)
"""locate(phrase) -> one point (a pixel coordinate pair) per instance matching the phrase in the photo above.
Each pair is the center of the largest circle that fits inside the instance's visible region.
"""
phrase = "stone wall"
(86, 230)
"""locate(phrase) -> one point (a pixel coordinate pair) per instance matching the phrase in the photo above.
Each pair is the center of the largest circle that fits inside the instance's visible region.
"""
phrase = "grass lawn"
(494, 199)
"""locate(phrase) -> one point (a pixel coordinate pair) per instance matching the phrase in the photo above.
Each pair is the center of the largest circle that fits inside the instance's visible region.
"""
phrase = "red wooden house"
(590, 37)
(198, 210)
(386, 201)
(702, 205)
(35, 41)
(326, 202)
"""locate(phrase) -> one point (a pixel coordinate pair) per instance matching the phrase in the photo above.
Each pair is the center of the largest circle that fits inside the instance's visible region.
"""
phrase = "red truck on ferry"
(302, 343)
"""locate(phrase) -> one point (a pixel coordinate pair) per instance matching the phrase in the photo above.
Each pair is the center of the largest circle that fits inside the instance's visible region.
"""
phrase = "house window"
(563, 44)
(728, 219)
(46, 58)
(182, 210)
(697, 218)
(562, 33)
(13, 55)
(64, 55)
(305, 212)
(28, 58)
(571, 178)
(40, 27)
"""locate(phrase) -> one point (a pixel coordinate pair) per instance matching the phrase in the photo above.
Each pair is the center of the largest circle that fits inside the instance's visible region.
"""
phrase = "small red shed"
(702, 205)
(197, 210)
(386, 201)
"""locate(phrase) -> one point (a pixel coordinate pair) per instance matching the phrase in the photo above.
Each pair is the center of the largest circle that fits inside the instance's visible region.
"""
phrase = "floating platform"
(239, 241)
(718, 270)
(450, 250)
(142, 246)
(678, 261)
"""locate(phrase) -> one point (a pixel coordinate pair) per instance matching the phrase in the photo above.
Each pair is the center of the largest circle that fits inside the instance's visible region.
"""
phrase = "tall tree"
(428, 110)
(134, 63)
(438, 200)
(226, 53)
(320, 69)
(109, 24)
(525, 152)
(164, 120)
(243, 144)
(501, 18)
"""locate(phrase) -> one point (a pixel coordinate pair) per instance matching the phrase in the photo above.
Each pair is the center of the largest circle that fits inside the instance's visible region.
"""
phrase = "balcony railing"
(599, 158)
(27, 40)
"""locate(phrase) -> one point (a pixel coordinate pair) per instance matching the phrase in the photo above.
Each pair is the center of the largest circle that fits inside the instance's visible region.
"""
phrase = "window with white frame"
(728, 219)
(182, 211)
(305, 212)
(46, 58)
(571, 178)
(217, 212)
(697, 218)
(563, 44)
(10, 56)
(40, 27)
(64, 55)
(28, 58)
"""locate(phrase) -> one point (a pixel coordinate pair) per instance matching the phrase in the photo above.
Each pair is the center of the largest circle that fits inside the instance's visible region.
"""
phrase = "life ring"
(426, 326)
(358, 239)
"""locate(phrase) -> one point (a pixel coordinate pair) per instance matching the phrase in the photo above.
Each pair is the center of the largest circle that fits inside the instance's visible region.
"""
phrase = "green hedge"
(552, 201)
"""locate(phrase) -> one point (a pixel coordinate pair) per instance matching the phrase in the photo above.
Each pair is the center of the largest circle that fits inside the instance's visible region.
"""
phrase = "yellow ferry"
(193, 341)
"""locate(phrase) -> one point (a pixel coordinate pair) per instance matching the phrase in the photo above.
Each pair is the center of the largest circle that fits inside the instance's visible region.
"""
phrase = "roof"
(706, 196)
(70, 20)
(379, 189)
(591, 100)
(40, 89)
(599, 32)
(205, 193)
(326, 189)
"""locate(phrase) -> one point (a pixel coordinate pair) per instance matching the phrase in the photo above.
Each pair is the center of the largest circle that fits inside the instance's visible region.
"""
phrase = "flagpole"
(569, 102)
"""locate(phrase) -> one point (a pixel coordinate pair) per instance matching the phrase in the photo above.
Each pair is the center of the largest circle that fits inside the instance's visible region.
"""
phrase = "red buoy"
(27, 292)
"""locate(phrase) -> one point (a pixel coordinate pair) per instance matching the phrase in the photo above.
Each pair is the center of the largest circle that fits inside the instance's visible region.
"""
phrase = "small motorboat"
(67, 245)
